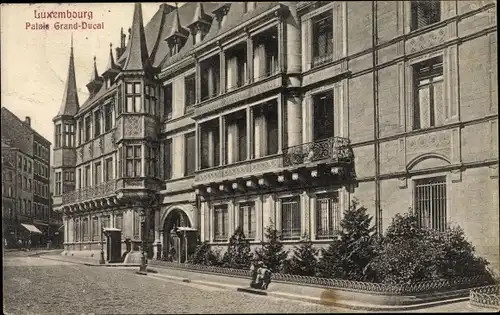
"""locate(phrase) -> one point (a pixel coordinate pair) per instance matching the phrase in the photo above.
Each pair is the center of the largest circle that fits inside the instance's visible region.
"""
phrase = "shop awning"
(31, 228)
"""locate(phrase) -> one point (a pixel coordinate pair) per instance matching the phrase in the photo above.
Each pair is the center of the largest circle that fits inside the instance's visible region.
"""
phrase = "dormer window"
(221, 14)
(248, 6)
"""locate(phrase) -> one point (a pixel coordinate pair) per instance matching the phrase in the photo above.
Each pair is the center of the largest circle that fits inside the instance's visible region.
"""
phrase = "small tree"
(348, 257)
(204, 255)
(272, 253)
(304, 259)
(238, 254)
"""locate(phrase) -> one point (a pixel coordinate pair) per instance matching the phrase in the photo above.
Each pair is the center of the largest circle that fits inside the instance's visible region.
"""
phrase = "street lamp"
(101, 260)
(143, 266)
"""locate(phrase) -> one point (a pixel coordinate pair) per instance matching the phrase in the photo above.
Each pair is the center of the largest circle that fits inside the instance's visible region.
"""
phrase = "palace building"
(218, 115)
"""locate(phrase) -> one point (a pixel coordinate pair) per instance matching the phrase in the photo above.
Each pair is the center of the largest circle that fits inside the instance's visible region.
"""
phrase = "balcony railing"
(336, 150)
(322, 59)
(102, 190)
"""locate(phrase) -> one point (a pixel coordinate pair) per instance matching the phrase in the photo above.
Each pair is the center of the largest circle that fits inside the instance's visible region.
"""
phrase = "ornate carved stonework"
(101, 144)
(91, 150)
(80, 153)
(426, 40)
(133, 126)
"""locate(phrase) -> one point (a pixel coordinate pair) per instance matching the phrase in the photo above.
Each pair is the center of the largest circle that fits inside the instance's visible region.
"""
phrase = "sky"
(34, 63)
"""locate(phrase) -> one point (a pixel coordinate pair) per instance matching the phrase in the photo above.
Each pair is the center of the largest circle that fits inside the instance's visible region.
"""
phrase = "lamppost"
(143, 266)
(101, 260)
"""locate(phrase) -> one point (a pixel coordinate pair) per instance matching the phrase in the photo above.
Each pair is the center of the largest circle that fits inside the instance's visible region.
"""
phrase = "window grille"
(323, 35)
(430, 202)
(290, 218)
(328, 216)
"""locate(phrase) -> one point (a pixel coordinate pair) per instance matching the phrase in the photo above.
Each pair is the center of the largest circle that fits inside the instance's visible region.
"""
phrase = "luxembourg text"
(58, 26)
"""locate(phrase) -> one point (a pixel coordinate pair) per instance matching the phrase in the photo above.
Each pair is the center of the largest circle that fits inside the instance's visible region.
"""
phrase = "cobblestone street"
(34, 285)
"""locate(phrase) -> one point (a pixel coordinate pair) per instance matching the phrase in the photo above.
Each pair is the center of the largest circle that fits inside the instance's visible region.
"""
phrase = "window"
(97, 123)
(85, 229)
(29, 207)
(247, 219)
(108, 117)
(221, 223)
(95, 229)
(328, 216)
(167, 101)
(133, 161)
(290, 218)
(81, 135)
(189, 154)
(119, 221)
(19, 162)
(58, 136)
(97, 173)
(25, 183)
(152, 161)
(29, 184)
(29, 166)
(68, 136)
(424, 13)
(87, 176)
(428, 109)
(323, 35)
(150, 99)
(430, 202)
(25, 164)
(323, 116)
(69, 176)
(88, 128)
(133, 97)
(58, 183)
(190, 91)
(108, 175)
(167, 159)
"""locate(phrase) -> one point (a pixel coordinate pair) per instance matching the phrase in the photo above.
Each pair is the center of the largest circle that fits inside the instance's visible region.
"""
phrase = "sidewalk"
(90, 261)
(278, 290)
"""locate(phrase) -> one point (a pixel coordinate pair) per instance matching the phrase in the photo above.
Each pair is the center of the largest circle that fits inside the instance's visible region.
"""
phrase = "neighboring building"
(29, 153)
(216, 115)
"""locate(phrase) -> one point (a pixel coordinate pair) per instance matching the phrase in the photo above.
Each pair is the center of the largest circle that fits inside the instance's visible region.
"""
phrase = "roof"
(137, 54)
(70, 104)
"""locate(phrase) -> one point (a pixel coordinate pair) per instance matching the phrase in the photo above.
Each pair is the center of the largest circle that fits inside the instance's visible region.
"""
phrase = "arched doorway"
(172, 244)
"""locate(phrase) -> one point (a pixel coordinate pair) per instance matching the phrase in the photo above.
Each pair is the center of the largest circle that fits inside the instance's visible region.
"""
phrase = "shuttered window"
(247, 219)
(425, 12)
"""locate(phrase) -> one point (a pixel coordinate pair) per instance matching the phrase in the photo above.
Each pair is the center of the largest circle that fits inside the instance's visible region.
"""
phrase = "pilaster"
(222, 65)
(294, 121)
(249, 59)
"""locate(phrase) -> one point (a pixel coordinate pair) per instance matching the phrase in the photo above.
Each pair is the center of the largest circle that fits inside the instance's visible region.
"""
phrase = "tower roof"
(70, 105)
(111, 67)
(95, 74)
(137, 58)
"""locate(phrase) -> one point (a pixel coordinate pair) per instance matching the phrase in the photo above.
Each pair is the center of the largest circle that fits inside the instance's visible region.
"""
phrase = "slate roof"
(70, 104)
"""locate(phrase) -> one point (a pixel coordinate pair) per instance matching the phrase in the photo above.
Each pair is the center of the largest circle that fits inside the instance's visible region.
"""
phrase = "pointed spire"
(95, 74)
(111, 60)
(70, 104)
(138, 58)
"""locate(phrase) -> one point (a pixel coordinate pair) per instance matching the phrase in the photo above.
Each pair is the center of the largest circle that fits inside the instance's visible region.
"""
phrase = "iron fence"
(487, 296)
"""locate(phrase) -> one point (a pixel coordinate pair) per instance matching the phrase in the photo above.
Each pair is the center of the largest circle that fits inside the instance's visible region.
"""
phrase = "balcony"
(335, 150)
(86, 193)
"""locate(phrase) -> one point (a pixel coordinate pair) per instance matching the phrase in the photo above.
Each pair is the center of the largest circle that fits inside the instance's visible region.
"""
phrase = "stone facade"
(26, 197)
(281, 113)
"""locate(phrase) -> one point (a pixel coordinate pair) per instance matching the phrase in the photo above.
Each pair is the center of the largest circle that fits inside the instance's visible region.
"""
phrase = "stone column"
(202, 221)
(222, 139)
(232, 72)
(211, 147)
(231, 211)
(222, 72)
(312, 216)
(260, 131)
(232, 143)
(259, 61)
(210, 82)
(280, 124)
(293, 44)
(197, 79)
(249, 59)
(162, 248)
(197, 151)
(249, 124)
(157, 242)
(294, 119)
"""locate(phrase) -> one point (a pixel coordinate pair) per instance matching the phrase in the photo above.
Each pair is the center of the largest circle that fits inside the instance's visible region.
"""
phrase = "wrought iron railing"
(335, 149)
(102, 190)
(488, 296)
(374, 288)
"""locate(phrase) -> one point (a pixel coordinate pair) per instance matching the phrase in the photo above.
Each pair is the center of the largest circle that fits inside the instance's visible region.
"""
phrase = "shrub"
(238, 254)
(205, 255)
(348, 257)
(304, 259)
(272, 253)
(410, 253)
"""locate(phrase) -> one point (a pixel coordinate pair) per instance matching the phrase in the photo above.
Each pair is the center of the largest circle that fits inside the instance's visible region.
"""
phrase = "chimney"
(27, 121)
